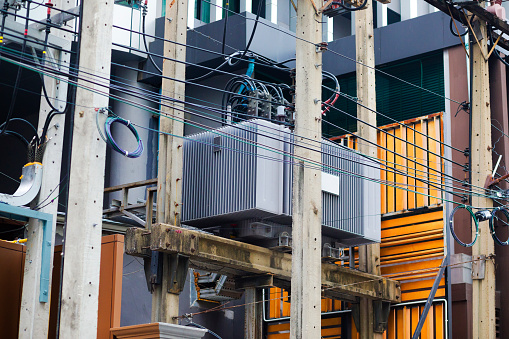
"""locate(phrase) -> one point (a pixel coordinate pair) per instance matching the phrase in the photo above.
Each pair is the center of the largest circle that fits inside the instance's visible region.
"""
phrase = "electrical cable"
(334, 52)
(292, 60)
(186, 63)
(14, 95)
(351, 8)
(254, 29)
(377, 112)
(110, 141)
(396, 137)
(392, 76)
(495, 51)
(396, 121)
(476, 223)
(226, 15)
(149, 56)
(212, 88)
(492, 225)
(204, 328)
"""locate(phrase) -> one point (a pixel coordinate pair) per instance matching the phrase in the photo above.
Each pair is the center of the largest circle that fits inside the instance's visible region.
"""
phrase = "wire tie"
(126, 153)
(128, 123)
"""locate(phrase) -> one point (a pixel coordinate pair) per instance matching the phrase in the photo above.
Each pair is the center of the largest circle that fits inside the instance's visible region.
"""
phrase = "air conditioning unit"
(240, 177)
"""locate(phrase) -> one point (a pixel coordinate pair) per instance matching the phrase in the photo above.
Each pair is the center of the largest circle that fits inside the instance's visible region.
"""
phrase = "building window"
(392, 16)
(394, 98)
(202, 11)
(232, 5)
(255, 5)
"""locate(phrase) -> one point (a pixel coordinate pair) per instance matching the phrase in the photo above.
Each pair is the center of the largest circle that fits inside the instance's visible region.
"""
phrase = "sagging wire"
(495, 51)
(276, 65)
(420, 180)
(14, 95)
(149, 56)
(107, 137)
(327, 104)
(419, 193)
(439, 198)
(193, 324)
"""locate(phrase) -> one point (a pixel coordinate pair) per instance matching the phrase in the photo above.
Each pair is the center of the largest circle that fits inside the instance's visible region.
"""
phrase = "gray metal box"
(243, 172)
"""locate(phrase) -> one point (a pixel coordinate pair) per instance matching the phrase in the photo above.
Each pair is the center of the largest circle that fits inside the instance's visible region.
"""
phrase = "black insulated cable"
(254, 29)
(472, 216)
(10, 112)
(144, 14)
(351, 8)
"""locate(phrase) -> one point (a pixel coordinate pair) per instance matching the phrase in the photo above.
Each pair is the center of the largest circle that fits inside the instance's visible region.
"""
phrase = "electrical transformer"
(238, 182)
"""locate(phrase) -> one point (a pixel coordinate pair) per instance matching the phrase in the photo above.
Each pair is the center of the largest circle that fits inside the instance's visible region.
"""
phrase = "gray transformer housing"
(243, 173)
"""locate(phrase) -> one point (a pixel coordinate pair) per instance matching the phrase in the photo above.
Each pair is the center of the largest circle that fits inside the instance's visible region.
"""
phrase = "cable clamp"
(321, 46)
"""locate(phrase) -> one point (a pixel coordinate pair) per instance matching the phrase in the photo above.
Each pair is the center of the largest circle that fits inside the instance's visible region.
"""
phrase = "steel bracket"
(178, 265)
(155, 276)
(381, 311)
(22, 214)
(478, 266)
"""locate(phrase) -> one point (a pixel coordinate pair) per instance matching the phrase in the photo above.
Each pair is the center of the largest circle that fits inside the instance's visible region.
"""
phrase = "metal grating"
(242, 172)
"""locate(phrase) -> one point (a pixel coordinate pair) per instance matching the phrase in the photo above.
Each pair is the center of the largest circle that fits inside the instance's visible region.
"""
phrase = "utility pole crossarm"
(237, 259)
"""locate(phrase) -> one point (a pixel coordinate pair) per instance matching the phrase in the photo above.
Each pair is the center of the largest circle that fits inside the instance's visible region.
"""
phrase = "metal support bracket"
(478, 266)
(356, 315)
(156, 270)
(381, 312)
(22, 214)
(177, 270)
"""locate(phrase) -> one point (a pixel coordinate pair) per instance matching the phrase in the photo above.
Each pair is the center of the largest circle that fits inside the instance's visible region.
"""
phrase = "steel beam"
(237, 259)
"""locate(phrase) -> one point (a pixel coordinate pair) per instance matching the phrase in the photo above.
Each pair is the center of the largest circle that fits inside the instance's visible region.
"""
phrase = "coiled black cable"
(492, 225)
(144, 14)
(451, 226)
(204, 328)
(352, 9)
(490, 34)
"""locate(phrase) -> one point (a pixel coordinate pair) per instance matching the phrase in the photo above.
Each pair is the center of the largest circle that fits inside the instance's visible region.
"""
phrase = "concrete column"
(305, 321)
(483, 290)
(82, 252)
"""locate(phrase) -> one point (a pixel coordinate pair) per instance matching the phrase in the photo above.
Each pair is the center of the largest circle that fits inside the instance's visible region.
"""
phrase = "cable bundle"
(492, 225)
(108, 137)
(476, 222)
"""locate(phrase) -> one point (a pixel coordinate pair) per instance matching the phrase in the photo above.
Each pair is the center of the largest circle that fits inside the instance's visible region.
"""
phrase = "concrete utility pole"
(369, 255)
(165, 305)
(305, 321)
(82, 257)
(483, 296)
(34, 315)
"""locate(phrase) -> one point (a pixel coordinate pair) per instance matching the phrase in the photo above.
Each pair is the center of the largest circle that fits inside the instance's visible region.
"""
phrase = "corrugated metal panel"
(415, 156)
(234, 180)
(411, 251)
(403, 321)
